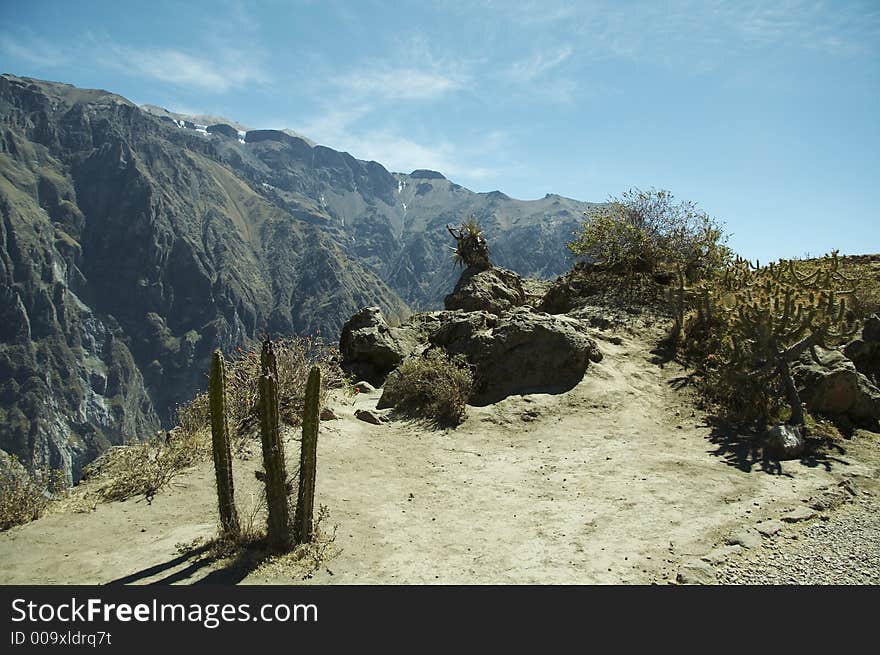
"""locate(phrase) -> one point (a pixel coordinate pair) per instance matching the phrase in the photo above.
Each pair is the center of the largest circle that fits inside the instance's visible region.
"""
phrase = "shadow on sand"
(746, 452)
(233, 571)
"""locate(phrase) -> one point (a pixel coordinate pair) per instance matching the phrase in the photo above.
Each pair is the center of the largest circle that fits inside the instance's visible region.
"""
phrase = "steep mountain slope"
(136, 242)
(129, 252)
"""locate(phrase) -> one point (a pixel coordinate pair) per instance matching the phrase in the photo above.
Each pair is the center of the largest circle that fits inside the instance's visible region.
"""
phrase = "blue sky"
(766, 114)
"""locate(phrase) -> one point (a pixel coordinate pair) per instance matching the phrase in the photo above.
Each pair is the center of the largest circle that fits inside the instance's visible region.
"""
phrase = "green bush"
(649, 231)
(432, 386)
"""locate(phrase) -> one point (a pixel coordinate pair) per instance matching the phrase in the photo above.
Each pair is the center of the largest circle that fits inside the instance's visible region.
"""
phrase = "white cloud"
(228, 69)
(539, 63)
(337, 129)
(377, 81)
(33, 50)
(401, 84)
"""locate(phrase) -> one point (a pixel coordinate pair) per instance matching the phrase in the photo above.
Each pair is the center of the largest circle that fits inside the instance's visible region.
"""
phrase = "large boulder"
(492, 290)
(522, 351)
(370, 349)
(834, 387)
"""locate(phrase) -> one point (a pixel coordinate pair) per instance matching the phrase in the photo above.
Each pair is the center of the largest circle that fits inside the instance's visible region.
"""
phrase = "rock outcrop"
(519, 352)
(223, 129)
(833, 387)
(369, 348)
(865, 351)
(512, 349)
(492, 290)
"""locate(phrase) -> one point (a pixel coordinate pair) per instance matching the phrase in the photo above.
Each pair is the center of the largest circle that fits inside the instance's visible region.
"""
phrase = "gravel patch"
(842, 547)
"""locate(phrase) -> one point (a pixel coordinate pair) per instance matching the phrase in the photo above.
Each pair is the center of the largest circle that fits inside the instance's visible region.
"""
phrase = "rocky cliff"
(130, 250)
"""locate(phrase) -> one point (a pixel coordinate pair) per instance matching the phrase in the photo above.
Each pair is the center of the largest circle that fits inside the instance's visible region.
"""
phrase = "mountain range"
(134, 241)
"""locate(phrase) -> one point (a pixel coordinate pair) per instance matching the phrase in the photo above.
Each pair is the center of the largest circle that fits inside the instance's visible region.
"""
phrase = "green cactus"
(220, 441)
(772, 314)
(302, 523)
(277, 489)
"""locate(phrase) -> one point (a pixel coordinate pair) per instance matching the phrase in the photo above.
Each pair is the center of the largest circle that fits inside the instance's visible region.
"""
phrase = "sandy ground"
(620, 480)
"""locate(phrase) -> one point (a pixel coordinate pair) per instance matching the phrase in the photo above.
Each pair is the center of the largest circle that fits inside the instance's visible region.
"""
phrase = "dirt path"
(616, 481)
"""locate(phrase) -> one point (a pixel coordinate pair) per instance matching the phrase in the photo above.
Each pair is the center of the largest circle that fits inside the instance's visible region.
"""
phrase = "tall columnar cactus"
(220, 440)
(279, 535)
(302, 524)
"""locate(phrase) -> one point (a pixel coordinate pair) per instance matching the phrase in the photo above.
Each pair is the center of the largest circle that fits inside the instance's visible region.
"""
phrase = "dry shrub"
(432, 386)
(295, 358)
(24, 498)
(143, 469)
(194, 416)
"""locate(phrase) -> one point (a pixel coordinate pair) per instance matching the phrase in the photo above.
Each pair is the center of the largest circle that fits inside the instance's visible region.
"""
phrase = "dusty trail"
(616, 481)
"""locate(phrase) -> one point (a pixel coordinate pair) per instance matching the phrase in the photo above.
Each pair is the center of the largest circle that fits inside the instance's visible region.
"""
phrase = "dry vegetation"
(25, 498)
(432, 386)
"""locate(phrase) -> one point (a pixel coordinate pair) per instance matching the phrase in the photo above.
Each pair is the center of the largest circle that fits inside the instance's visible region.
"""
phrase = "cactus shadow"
(745, 450)
(742, 450)
(246, 558)
(152, 571)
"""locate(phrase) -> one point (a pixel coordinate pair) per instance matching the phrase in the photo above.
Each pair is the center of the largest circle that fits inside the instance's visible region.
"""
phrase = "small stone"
(769, 528)
(748, 538)
(328, 414)
(697, 573)
(799, 514)
(784, 442)
(370, 416)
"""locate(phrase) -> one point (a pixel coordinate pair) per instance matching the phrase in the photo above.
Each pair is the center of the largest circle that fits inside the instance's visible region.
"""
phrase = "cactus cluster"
(281, 534)
(767, 316)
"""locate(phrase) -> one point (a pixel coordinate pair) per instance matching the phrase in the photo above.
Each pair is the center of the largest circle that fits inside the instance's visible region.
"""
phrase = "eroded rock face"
(837, 389)
(492, 290)
(519, 352)
(129, 250)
